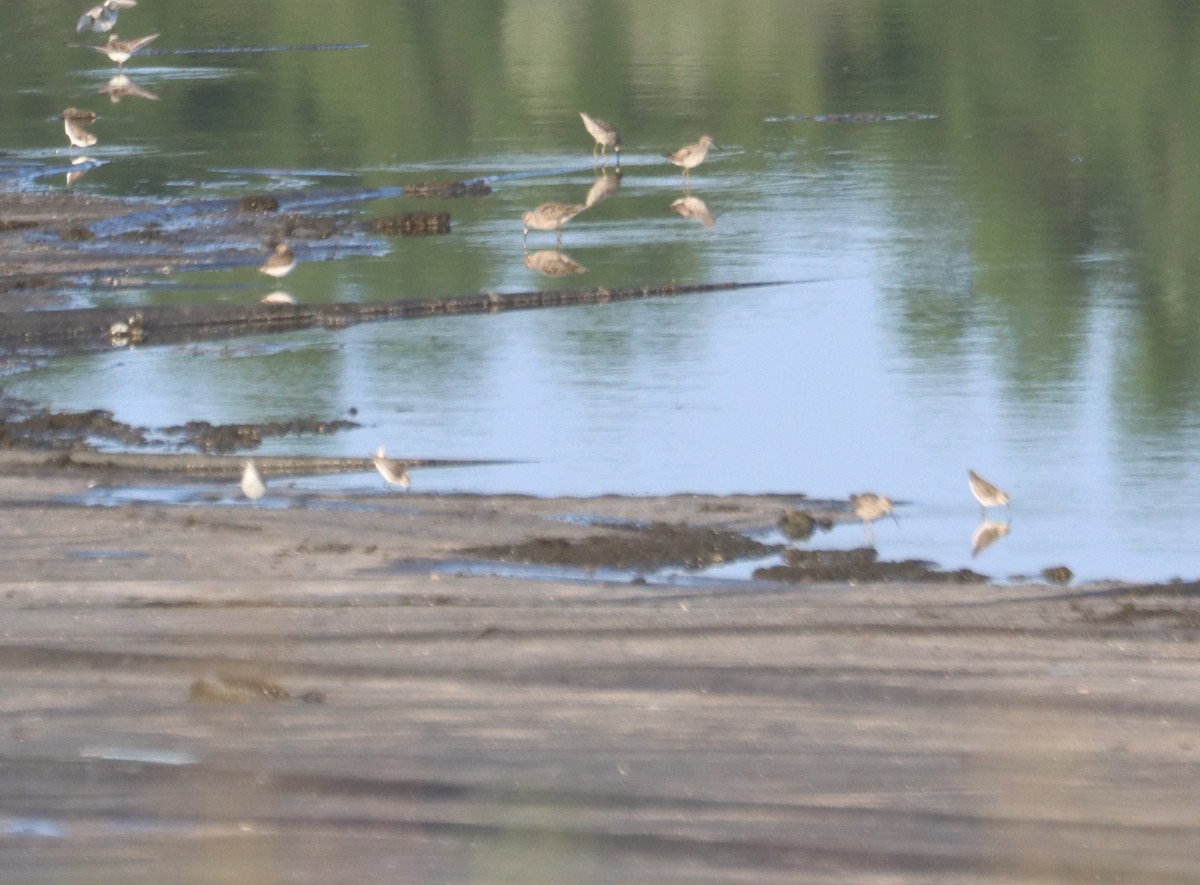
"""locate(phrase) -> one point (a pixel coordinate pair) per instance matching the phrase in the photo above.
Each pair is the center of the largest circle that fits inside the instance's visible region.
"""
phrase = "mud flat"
(311, 691)
(455, 688)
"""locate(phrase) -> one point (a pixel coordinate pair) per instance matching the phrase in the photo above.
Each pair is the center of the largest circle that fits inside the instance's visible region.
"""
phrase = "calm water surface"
(1008, 286)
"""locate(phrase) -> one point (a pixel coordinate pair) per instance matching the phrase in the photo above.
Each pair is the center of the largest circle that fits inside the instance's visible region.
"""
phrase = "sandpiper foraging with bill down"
(550, 216)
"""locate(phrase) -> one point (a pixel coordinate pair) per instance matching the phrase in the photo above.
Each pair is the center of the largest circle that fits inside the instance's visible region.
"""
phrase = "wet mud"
(861, 565)
(632, 547)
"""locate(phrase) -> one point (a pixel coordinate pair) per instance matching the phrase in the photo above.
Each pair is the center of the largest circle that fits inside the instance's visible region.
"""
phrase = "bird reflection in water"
(121, 86)
(553, 263)
(694, 209)
(603, 187)
(75, 122)
(986, 534)
(73, 177)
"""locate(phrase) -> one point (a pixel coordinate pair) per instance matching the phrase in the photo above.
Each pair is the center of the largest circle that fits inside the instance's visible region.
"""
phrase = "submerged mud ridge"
(53, 332)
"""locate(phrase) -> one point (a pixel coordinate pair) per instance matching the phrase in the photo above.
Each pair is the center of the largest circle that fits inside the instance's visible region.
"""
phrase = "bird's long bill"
(894, 516)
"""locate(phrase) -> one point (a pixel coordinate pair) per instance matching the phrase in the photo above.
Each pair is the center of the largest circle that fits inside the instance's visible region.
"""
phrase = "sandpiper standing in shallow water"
(550, 216)
(121, 51)
(691, 155)
(102, 17)
(73, 122)
(393, 472)
(605, 135)
(985, 493)
(253, 486)
(869, 507)
(280, 263)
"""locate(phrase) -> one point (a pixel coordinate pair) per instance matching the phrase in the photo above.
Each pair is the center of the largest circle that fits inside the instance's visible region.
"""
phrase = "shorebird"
(280, 263)
(691, 155)
(869, 507)
(605, 134)
(985, 493)
(102, 17)
(253, 486)
(73, 122)
(393, 472)
(120, 51)
(550, 216)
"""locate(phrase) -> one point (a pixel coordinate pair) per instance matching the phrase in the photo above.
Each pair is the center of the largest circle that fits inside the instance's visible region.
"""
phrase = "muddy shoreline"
(321, 687)
(495, 687)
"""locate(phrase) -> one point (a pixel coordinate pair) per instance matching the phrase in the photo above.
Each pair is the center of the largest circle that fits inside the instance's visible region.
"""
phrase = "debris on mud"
(800, 524)
(258, 203)
(445, 189)
(412, 224)
(244, 689)
(860, 565)
(633, 547)
(1058, 574)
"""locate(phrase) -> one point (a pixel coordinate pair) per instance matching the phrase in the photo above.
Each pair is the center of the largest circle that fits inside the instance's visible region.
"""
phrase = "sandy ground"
(238, 694)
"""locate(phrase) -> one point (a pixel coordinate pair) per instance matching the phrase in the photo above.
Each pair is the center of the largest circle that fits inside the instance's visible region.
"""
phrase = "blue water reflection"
(991, 286)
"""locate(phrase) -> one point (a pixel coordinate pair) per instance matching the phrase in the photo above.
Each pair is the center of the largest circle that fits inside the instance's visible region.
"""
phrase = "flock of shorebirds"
(101, 19)
(552, 216)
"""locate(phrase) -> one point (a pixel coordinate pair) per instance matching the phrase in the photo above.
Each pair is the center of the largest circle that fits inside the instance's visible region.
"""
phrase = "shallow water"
(1008, 286)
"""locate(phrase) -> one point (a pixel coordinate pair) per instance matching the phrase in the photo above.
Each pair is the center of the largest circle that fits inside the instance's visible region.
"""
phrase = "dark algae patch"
(860, 565)
(654, 546)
